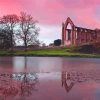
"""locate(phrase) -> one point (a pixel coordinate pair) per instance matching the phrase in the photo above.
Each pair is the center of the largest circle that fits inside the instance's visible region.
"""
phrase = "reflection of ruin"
(69, 79)
(17, 85)
(66, 82)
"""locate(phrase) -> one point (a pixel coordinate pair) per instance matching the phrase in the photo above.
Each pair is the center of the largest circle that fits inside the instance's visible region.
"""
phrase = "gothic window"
(69, 26)
(94, 35)
(75, 29)
(68, 31)
(76, 35)
(85, 30)
(68, 34)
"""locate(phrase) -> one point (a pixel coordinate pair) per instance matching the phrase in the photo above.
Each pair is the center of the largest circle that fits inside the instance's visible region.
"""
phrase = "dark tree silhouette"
(28, 31)
(57, 42)
(8, 23)
(5, 38)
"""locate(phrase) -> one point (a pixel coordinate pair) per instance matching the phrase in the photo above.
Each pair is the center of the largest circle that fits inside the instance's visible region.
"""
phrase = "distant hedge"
(88, 48)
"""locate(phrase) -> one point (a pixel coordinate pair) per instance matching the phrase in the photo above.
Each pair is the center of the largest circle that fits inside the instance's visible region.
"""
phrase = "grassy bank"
(66, 52)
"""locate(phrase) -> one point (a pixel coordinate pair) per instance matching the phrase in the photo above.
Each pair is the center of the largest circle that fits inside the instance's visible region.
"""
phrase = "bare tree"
(8, 23)
(28, 31)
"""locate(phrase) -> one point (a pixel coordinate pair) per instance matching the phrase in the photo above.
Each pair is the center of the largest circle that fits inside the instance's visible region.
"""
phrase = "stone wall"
(79, 35)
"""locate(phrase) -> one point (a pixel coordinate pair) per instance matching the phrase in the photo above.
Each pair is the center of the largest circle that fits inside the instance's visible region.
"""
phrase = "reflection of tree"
(66, 82)
(17, 84)
(28, 81)
(27, 85)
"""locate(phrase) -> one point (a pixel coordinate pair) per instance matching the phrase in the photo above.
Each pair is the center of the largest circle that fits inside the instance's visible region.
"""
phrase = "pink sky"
(51, 14)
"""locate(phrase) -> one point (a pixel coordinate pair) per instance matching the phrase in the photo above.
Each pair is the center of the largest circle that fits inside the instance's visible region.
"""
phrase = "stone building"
(74, 35)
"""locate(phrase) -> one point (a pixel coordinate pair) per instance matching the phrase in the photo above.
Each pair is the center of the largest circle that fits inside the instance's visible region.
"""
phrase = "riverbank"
(50, 52)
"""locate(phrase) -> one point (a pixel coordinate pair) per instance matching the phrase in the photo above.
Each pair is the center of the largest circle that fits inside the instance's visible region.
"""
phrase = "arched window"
(69, 26)
(76, 35)
(68, 31)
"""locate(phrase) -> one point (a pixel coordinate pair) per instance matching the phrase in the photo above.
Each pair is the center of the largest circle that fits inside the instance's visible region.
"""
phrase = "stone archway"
(68, 32)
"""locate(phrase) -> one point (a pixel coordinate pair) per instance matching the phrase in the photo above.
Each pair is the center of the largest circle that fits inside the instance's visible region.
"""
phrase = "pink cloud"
(54, 12)
(9, 6)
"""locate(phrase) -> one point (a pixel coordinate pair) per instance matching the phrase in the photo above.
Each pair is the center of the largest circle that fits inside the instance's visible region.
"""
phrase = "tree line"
(20, 28)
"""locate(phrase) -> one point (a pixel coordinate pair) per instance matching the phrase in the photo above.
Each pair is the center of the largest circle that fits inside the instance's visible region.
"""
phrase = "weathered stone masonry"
(73, 35)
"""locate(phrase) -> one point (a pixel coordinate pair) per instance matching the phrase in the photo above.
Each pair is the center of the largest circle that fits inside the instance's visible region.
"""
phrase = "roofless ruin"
(74, 35)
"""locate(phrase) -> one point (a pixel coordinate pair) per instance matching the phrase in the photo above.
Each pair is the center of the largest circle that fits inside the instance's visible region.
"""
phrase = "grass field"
(66, 52)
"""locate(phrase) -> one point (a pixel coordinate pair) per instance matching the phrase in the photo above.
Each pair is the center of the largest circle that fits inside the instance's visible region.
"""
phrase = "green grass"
(48, 52)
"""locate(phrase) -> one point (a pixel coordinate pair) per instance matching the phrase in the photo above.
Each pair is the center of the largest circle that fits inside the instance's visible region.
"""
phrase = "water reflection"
(17, 85)
(66, 81)
(58, 78)
(26, 85)
(69, 79)
(46, 64)
(36, 64)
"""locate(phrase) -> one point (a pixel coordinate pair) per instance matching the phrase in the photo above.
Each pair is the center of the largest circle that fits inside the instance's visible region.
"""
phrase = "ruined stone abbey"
(74, 35)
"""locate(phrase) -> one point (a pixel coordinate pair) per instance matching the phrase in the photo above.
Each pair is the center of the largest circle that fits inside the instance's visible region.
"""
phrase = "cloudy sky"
(51, 14)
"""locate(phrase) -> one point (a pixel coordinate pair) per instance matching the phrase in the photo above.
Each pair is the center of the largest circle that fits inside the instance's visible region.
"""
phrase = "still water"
(49, 78)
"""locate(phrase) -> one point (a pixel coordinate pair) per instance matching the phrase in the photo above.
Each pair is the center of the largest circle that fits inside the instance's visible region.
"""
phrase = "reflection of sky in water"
(55, 64)
(83, 84)
(48, 64)
(18, 64)
(97, 93)
(37, 64)
(44, 64)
